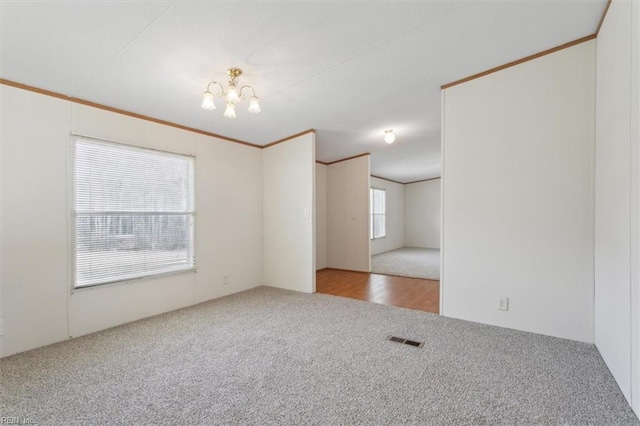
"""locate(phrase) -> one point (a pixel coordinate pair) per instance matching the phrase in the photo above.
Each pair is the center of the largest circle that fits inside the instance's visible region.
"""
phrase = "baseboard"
(345, 270)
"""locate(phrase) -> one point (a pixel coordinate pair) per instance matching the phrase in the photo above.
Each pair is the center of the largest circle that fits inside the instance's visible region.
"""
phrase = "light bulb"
(254, 105)
(207, 101)
(230, 112)
(232, 94)
(389, 136)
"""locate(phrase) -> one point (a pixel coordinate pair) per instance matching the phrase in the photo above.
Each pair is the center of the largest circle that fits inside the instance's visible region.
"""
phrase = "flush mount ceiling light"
(389, 136)
(232, 96)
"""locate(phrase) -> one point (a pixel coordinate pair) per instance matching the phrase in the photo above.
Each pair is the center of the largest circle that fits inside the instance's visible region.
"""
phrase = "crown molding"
(348, 158)
(120, 111)
(520, 61)
(423, 180)
(604, 15)
(288, 138)
(388, 180)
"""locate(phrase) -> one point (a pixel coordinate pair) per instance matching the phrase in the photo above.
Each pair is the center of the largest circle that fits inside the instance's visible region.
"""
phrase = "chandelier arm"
(246, 87)
(219, 94)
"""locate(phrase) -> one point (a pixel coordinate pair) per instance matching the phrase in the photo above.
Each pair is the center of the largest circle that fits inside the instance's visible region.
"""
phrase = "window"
(378, 213)
(133, 213)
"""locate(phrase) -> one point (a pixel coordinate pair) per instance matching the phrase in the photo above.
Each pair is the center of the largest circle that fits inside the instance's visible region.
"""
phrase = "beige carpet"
(408, 262)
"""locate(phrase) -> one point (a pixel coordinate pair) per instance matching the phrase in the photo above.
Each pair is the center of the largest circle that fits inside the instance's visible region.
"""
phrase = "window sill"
(192, 269)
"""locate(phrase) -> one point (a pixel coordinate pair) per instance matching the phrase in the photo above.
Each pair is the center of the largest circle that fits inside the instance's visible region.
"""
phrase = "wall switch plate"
(503, 303)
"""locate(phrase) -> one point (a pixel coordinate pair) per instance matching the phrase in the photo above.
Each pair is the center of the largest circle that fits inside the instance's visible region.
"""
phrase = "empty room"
(194, 196)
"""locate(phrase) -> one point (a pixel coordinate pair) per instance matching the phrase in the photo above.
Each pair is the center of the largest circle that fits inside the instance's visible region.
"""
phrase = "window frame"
(372, 215)
(72, 246)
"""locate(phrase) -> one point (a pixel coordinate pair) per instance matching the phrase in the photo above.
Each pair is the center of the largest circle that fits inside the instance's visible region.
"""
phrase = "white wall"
(635, 237)
(348, 215)
(35, 285)
(394, 196)
(38, 305)
(635, 247)
(518, 150)
(289, 214)
(321, 216)
(617, 185)
(422, 212)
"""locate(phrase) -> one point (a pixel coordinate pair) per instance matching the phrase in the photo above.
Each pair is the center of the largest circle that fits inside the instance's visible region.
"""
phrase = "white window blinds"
(133, 212)
(378, 213)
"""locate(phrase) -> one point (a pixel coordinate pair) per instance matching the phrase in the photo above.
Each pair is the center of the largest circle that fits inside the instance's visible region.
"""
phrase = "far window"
(133, 213)
(378, 213)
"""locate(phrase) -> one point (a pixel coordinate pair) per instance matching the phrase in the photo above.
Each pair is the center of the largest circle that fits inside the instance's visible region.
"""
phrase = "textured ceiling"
(350, 70)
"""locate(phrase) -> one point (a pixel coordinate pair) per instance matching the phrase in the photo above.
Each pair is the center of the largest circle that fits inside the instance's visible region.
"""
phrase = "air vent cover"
(406, 341)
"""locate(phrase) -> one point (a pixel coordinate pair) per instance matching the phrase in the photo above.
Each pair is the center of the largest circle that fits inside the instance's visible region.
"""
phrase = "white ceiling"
(350, 70)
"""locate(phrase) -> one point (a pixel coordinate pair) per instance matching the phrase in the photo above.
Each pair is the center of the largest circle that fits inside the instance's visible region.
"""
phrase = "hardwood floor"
(412, 293)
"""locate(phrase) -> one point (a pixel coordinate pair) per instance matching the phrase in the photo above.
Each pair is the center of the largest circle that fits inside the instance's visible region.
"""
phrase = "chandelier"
(232, 96)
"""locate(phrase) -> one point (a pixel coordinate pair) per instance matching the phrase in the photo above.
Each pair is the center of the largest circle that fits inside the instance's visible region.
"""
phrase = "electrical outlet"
(503, 303)
(225, 279)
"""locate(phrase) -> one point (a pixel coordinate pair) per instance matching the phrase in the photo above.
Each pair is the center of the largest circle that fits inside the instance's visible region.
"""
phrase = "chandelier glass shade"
(232, 95)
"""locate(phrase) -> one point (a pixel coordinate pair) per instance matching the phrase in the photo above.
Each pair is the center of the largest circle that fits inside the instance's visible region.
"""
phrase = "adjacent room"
(320, 212)
(405, 228)
(393, 274)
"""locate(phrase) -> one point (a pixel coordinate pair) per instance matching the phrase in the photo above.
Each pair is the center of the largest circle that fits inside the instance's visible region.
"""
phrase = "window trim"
(371, 214)
(71, 224)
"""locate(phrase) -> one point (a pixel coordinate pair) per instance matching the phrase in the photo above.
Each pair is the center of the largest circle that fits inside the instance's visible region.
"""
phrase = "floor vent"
(405, 341)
